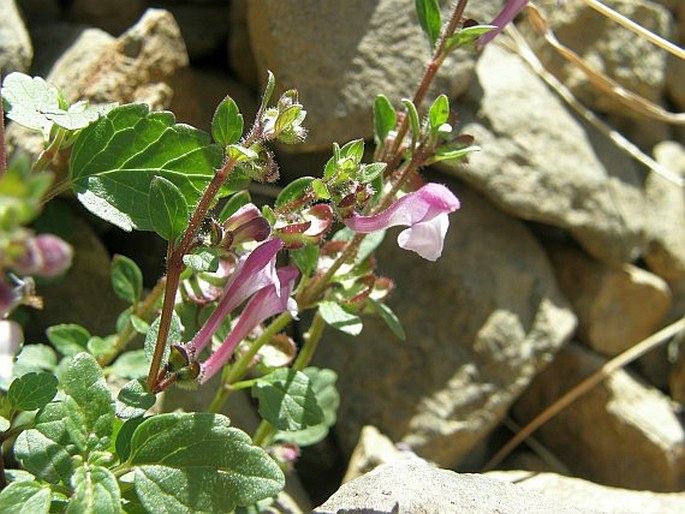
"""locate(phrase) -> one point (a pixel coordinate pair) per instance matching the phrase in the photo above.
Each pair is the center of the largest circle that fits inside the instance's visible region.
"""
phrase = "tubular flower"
(424, 211)
(505, 16)
(267, 302)
(252, 273)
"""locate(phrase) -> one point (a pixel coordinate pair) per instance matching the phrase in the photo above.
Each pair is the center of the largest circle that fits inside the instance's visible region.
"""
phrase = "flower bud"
(316, 221)
(246, 224)
(44, 255)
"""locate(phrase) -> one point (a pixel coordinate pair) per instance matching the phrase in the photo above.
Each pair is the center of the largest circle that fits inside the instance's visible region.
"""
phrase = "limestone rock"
(539, 163)
(666, 230)
(137, 66)
(621, 433)
(113, 16)
(590, 496)
(632, 61)
(16, 52)
(372, 450)
(616, 306)
(412, 487)
(340, 55)
(480, 322)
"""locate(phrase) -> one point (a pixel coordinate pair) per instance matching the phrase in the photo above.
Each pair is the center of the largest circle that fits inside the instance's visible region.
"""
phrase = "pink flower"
(44, 255)
(267, 302)
(251, 274)
(424, 212)
(506, 16)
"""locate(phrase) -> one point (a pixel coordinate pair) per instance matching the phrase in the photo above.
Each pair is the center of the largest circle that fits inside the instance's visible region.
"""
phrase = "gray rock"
(137, 66)
(665, 253)
(414, 487)
(621, 433)
(609, 48)
(590, 496)
(16, 52)
(240, 53)
(340, 55)
(480, 322)
(539, 163)
(372, 450)
(616, 306)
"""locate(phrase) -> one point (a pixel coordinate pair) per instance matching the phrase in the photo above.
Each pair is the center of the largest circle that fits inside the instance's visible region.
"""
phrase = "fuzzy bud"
(44, 255)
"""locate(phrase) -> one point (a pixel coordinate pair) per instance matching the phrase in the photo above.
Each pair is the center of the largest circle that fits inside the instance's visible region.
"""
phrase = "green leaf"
(25, 497)
(340, 319)
(439, 112)
(384, 118)
(35, 357)
(139, 324)
(4, 424)
(68, 338)
(369, 172)
(287, 400)
(353, 149)
(467, 36)
(202, 259)
(127, 279)
(227, 123)
(96, 491)
(84, 383)
(27, 100)
(197, 462)
(79, 115)
(175, 330)
(389, 317)
(232, 205)
(241, 153)
(327, 397)
(293, 190)
(42, 456)
(268, 90)
(32, 391)
(115, 159)
(168, 209)
(124, 436)
(447, 153)
(414, 123)
(101, 346)
(320, 189)
(305, 259)
(428, 12)
(134, 400)
(287, 117)
(131, 365)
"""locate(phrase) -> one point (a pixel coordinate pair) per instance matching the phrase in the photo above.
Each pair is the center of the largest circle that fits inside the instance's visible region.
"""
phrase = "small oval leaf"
(168, 209)
(227, 123)
(127, 279)
(384, 118)
(293, 190)
(428, 12)
(32, 391)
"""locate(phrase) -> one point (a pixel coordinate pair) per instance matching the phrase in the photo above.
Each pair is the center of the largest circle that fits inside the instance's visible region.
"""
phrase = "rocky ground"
(566, 251)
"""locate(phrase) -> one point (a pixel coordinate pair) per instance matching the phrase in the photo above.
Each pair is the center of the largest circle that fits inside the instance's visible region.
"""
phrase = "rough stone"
(372, 450)
(16, 51)
(480, 322)
(240, 56)
(137, 66)
(414, 487)
(609, 48)
(616, 306)
(621, 433)
(590, 496)
(340, 55)
(539, 163)
(665, 253)
(113, 16)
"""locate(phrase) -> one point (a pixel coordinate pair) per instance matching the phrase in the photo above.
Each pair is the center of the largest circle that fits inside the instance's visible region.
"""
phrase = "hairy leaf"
(32, 391)
(227, 123)
(287, 400)
(134, 400)
(68, 338)
(115, 159)
(384, 118)
(96, 491)
(439, 112)
(197, 462)
(168, 209)
(25, 497)
(428, 12)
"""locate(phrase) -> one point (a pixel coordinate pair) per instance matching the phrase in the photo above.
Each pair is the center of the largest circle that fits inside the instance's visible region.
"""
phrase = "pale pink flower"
(505, 16)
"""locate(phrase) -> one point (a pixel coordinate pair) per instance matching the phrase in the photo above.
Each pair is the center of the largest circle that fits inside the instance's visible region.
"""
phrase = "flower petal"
(426, 238)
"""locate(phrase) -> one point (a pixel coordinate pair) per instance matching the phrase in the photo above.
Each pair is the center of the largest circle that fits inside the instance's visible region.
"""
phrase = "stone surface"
(632, 61)
(372, 450)
(539, 163)
(137, 66)
(16, 51)
(621, 433)
(414, 487)
(240, 56)
(113, 16)
(590, 496)
(340, 55)
(480, 322)
(665, 253)
(616, 306)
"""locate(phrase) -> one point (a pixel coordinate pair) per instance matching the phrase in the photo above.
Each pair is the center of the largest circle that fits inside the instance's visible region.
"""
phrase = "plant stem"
(311, 342)
(3, 155)
(239, 369)
(263, 433)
